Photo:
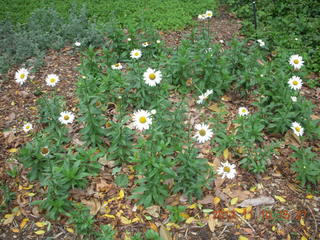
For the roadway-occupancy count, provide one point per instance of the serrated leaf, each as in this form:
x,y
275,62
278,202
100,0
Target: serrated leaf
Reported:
x,y
216,200
23,223
190,220
239,210
309,196
121,194
184,215
242,238
41,224
207,210
70,230
13,150
234,201
125,220
193,206
226,154
40,232
109,216
280,199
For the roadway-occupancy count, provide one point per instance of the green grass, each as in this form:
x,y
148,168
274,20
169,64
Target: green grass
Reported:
x,y
162,14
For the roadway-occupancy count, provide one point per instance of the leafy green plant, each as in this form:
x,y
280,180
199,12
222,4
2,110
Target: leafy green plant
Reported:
x,y
307,166
175,213
106,233
84,222
6,196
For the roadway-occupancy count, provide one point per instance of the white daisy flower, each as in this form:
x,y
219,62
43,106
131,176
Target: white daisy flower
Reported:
x,y
153,111
145,44
129,39
203,133
261,43
296,61
221,41
158,41
209,14
117,66
296,39
52,80
297,129
142,119
44,151
202,16
295,83
227,170
66,117
77,44
27,127
135,53
294,99
243,111
21,75
204,96
152,77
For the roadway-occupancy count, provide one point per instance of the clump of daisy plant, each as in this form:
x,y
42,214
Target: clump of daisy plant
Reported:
x,y
27,127
227,170
243,111
66,117
297,129
21,75
52,80
204,96
135,54
203,133
152,77
117,66
296,61
142,119
295,83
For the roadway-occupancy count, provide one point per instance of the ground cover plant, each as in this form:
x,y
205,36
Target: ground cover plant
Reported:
x,y
158,141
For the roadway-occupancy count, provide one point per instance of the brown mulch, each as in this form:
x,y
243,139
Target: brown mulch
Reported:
x,y
17,105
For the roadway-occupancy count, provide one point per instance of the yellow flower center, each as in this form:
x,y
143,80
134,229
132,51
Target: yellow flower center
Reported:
x,y
66,117
202,132
244,110
22,75
226,169
296,61
44,150
28,126
152,76
142,119
297,129
295,82
136,54
117,64
52,80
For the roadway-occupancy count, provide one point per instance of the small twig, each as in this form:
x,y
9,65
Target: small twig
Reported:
x,y
241,218
223,230
315,221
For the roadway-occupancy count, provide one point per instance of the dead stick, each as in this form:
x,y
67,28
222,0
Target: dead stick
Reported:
x,y
315,221
241,218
